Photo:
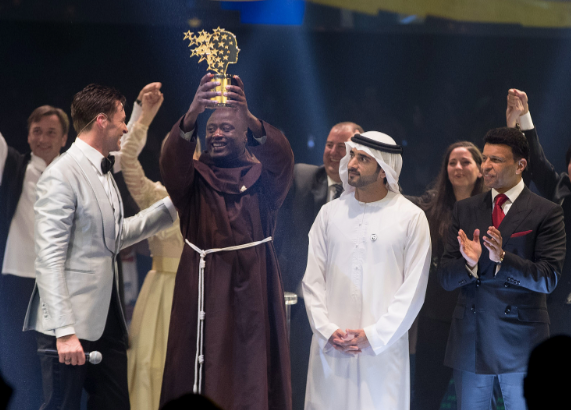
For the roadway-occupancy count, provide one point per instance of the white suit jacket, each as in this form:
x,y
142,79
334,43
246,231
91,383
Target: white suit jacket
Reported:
x,y
76,246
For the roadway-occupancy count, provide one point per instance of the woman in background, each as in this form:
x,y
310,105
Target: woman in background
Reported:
x,y
149,329
459,178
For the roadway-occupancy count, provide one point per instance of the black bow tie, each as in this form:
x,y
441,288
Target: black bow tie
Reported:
x,y
107,164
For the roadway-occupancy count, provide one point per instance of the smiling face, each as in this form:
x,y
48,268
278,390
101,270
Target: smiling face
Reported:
x,y
115,128
500,170
463,171
46,137
225,135
363,170
335,150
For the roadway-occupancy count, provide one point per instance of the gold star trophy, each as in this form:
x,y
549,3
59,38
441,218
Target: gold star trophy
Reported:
x,y
218,49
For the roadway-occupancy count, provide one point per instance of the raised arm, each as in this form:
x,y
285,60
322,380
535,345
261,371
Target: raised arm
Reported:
x,y
269,145
543,173
138,105
142,189
177,167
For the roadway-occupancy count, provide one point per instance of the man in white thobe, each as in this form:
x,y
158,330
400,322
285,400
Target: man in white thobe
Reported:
x,y
367,269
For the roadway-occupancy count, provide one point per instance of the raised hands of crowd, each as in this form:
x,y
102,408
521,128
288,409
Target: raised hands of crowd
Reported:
x,y
151,99
202,100
516,107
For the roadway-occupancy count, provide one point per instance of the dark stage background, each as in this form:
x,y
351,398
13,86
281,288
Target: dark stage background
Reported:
x,y
426,85
426,89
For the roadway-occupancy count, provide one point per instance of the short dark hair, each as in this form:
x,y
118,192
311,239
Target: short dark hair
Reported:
x,y
91,101
46,111
513,138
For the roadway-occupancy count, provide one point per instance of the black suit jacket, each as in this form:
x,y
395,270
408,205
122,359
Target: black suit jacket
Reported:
x,y
552,185
557,188
10,192
500,318
307,194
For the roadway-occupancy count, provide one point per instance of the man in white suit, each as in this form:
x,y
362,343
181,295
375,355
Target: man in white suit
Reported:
x,y
79,230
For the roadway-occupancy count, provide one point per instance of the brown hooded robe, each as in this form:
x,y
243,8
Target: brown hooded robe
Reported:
x,y
246,349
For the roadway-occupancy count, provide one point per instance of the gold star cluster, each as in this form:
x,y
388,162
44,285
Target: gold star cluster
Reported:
x,y
218,49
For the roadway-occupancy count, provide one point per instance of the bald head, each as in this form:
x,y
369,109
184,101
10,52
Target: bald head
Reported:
x,y
226,134
335,147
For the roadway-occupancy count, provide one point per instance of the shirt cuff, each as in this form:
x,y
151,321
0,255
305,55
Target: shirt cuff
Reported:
x,y
65,331
186,135
170,206
373,338
261,140
473,272
135,114
525,122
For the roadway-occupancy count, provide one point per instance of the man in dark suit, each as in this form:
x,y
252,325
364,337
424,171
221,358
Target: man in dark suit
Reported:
x,y
554,186
312,187
501,312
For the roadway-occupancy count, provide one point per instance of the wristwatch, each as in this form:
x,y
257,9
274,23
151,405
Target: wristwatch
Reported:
x,y
502,257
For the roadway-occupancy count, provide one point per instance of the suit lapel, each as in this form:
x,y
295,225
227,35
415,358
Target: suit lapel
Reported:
x,y
319,190
517,213
108,219
484,219
118,246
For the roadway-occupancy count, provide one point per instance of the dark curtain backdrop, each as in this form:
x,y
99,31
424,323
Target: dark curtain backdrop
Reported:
x,y
425,90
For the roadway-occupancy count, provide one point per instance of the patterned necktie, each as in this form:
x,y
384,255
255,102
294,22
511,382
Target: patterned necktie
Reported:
x,y
498,213
338,188
107,164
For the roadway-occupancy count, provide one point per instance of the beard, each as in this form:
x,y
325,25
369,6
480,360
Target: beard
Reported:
x,y
361,181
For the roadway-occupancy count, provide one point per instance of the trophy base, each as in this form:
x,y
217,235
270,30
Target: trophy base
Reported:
x,y
221,100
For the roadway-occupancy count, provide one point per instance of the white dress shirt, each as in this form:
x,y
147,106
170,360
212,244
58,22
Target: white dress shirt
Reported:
x,y
95,158
20,255
512,195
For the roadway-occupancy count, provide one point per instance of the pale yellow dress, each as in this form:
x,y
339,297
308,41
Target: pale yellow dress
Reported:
x,y
149,329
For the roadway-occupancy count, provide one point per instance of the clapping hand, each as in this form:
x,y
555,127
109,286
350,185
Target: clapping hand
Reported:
x,y
493,243
471,250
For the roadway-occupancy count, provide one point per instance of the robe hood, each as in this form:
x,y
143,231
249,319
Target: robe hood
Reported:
x,y
234,176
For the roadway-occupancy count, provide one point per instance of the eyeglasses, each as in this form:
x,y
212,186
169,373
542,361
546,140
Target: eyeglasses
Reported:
x,y
94,118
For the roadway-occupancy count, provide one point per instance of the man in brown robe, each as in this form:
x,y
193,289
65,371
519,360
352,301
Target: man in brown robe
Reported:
x,y
229,197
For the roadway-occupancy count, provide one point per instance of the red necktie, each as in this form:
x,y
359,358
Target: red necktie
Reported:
x,y
498,212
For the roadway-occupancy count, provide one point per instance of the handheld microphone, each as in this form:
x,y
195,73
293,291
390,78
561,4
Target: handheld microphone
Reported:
x,y
94,357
